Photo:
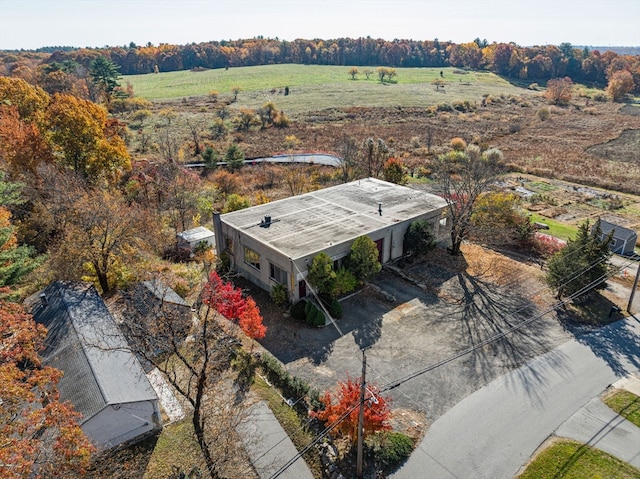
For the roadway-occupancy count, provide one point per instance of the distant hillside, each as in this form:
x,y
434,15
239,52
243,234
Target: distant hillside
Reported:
x,y
618,50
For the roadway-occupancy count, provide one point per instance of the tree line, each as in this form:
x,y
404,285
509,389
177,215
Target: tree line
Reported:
x,y
537,63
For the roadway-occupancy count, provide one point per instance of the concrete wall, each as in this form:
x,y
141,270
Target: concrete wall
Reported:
x,y
120,423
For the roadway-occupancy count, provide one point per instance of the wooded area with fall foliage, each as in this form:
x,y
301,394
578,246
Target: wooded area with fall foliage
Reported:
x,y
537,63
95,186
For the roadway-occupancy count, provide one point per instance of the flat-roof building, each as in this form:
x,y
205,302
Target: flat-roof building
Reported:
x,y
275,242
196,236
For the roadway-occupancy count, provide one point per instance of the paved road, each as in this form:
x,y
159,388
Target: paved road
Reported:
x,y
493,432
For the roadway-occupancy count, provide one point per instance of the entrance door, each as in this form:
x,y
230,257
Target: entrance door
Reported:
x,y
380,246
302,289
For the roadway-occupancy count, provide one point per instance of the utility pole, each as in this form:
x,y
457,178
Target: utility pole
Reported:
x,y
363,388
633,289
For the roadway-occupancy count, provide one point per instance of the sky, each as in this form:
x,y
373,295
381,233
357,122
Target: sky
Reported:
x,y
30,24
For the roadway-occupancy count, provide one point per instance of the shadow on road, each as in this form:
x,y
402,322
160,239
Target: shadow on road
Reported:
x,y
618,344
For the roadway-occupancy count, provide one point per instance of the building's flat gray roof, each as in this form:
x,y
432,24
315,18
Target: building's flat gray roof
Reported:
x,y
196,234
304,224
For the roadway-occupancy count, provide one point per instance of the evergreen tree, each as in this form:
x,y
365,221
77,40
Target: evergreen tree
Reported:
x,y
321,274
581,266
363,258
419,238
234,157
104,75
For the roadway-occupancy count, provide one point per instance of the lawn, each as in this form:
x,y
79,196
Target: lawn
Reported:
x,y
177,447
566,459
314,87
557,229
626,404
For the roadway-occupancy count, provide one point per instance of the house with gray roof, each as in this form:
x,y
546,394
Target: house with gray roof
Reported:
x,y
623,240
151,315
275,242
101,378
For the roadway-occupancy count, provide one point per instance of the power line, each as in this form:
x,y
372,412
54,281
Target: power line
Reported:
x,y
494,338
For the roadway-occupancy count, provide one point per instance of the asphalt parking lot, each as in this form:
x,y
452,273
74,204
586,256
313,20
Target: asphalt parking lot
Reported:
x,y
418,331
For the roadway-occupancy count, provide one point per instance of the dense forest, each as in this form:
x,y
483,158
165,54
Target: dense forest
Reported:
x,y
530,64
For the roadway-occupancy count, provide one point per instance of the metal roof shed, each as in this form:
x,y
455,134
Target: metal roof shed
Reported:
x,y
102,379
195,236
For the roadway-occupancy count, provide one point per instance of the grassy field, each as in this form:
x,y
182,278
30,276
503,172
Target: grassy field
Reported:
x,y
626,404
314,87
556,228
571,460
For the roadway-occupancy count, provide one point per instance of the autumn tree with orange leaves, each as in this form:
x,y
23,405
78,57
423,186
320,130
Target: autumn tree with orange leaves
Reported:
x,y
76,133
39,435
85,139
343,406
559,91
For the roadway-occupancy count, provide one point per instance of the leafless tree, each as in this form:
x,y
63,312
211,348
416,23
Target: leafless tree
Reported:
x,y
348,151
376,153
461,177
195,356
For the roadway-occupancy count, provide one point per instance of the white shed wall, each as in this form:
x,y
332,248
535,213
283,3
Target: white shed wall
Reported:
x,y
120,423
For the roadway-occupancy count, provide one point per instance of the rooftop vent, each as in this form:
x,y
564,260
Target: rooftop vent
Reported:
x,y
266,222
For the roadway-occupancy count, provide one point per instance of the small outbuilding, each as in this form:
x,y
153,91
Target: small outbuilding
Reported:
x,y
196,237
274,243
624,239
146,312
101,378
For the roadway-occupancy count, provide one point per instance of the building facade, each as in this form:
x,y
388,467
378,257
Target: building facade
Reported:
x,y
275,242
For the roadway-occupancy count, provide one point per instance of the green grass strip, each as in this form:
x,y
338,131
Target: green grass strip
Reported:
x,y
626,404
571,460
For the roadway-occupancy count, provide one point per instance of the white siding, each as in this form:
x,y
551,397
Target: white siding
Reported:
x,y
120,423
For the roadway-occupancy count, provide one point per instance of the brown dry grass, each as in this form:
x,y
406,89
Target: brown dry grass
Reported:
x,y
560,147
496,268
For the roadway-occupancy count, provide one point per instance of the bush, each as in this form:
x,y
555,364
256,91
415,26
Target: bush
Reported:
x,y
281,120
279,294
345,282
544,113
290,386
463,106
391,448
333,306
419,238
458,144
218,129
298,310
316,317
601,97
313,316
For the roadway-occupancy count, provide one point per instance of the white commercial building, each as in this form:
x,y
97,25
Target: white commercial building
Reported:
x,y
275,242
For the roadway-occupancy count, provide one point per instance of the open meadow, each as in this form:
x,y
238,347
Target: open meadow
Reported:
x,y
589,142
